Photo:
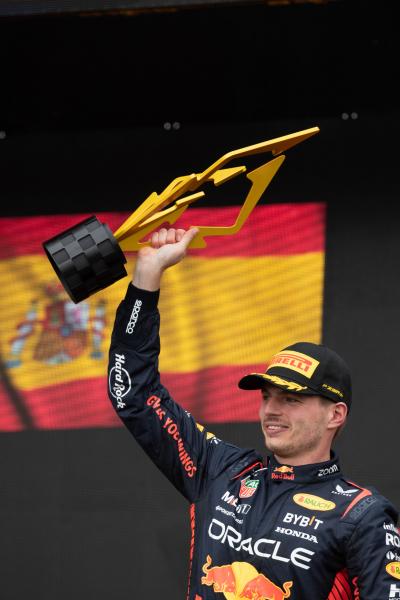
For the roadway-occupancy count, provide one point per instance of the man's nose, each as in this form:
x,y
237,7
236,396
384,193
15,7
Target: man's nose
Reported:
x,y
272,405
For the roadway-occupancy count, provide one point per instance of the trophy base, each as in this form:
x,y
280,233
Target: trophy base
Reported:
x,y
86,258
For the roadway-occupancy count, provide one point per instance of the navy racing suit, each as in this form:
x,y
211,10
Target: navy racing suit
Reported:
x,y
260,530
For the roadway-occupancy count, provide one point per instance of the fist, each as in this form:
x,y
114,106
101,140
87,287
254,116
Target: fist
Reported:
x,y
166,236
167,247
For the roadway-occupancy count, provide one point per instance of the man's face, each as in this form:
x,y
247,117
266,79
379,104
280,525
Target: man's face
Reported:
x,y
293,425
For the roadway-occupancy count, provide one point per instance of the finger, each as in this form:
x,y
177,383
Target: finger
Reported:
x,y
154,240
162,237
179,234
171,233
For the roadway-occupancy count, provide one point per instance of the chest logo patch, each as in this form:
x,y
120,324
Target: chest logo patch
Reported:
x,y
248,487
393,569
313,502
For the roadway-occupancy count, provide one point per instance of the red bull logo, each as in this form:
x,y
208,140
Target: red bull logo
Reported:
x,y
244,581
262,588
284,469
221,578
283,472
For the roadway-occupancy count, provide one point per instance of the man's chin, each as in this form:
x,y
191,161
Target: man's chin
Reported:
x,y
277,446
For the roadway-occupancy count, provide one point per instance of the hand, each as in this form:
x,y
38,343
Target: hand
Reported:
x,y
168,247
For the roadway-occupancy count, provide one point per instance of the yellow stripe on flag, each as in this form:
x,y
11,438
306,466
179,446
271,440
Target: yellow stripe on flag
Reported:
x,y
215,311
238,311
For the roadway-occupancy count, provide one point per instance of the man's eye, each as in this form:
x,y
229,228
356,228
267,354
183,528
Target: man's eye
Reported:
x,y
292,399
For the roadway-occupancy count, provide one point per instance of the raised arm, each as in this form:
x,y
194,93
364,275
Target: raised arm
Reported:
x,y
187,454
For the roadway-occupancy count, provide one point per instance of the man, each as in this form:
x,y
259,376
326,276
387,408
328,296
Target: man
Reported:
x,y
293,527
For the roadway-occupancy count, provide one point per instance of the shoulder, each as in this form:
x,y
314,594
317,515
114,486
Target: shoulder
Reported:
x,y
365,504
225,457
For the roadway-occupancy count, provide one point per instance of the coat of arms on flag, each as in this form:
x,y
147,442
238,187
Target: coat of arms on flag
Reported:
x,y
61,330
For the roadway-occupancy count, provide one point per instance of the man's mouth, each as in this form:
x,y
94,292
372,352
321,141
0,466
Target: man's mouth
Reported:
x,y
274,428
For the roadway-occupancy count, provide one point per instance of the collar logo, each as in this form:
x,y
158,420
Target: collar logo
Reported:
x,y
283,472
296,361
248,487
313,502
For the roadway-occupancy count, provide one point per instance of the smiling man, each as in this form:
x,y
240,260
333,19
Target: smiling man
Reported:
x,y
290,527
306,394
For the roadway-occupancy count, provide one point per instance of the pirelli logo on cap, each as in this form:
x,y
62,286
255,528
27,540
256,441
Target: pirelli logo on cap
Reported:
x,y
296,361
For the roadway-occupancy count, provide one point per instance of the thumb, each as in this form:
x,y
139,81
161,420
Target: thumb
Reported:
x,y
188,236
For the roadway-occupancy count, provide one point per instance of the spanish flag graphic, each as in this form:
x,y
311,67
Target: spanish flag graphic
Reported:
x,y
225,310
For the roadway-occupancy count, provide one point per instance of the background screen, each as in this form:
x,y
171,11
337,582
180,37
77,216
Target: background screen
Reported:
x,y
98,112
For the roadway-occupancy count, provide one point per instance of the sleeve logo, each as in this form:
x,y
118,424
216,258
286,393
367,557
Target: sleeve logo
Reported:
x,y
134,316
119,381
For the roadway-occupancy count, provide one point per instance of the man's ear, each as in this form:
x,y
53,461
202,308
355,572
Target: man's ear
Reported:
x,y
338,415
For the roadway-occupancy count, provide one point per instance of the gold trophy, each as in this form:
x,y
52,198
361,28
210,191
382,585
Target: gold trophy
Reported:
x,y
89,257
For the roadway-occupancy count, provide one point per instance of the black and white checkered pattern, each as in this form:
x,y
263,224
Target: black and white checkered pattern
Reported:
x,y
86,258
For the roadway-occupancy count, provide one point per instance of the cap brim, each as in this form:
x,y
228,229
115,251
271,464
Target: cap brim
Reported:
x,y
256,381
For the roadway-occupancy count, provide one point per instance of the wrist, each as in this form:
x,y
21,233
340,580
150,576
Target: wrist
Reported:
x,y
147,276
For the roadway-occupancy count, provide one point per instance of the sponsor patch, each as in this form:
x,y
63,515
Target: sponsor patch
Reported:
x,y
208,434
134,316
242,580
394,591
119,381
296,361
332,389
392,540
233,501
290,385
360,508
328,471
300,534
313,502
173,431
263,547
302,520
342,492
391,527
393,569
392,556
283,472
229,513
248,487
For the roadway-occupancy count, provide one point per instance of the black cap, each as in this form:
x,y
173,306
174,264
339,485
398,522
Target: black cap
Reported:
x,y
305,368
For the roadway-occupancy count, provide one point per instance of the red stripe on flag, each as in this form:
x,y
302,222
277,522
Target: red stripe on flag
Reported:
x,y
71,405
275,229
9,419
211,395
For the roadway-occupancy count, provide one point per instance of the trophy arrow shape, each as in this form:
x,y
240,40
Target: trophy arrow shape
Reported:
x,y
88,257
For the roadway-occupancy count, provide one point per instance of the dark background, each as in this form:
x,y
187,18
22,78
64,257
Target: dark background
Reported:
x,y
83,104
